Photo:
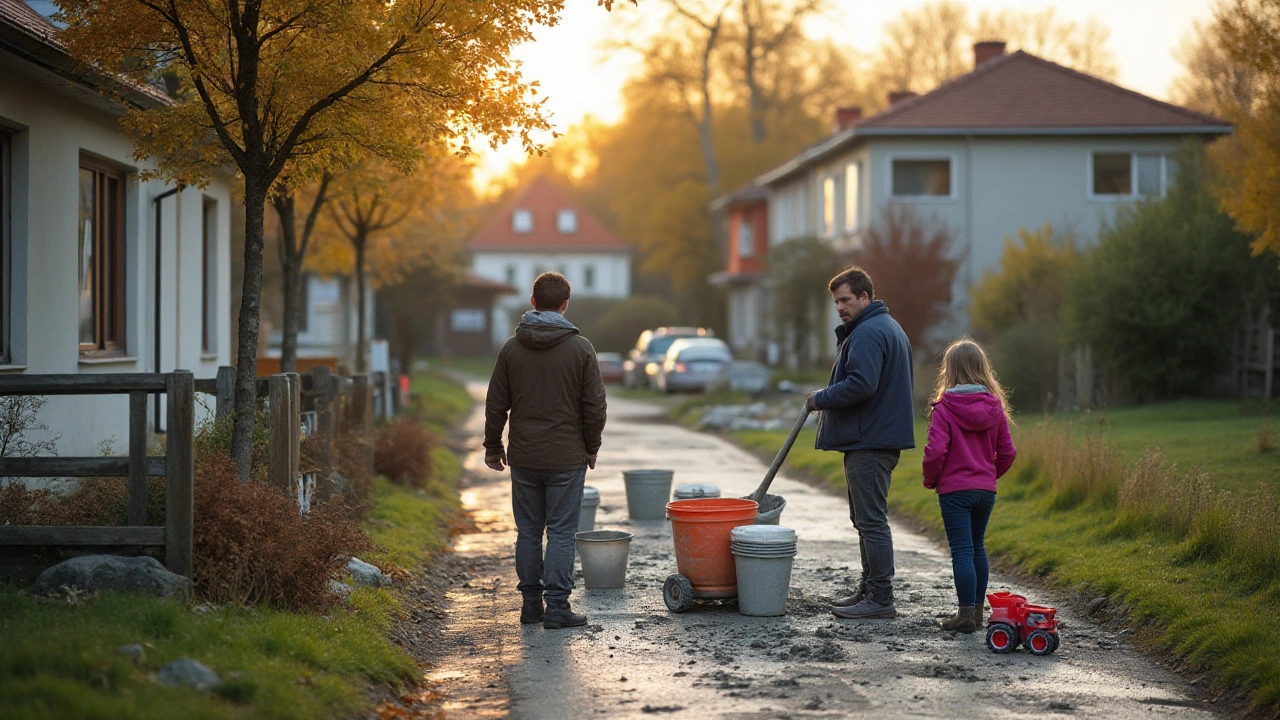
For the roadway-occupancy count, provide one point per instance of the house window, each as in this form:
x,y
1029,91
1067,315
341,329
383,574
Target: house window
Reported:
x,y
589,277
467,320
746,238
4,248
522,221
922,178
511,275
828,207
209,276
1128,174
567,221
852,187
101,251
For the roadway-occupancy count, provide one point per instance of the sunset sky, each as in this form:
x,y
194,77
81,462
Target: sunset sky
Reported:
x,y
580,79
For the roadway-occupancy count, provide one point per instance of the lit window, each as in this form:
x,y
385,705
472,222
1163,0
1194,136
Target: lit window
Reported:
x,y
567,221
522,221
101,279
746,238
828,207
852,184
921,178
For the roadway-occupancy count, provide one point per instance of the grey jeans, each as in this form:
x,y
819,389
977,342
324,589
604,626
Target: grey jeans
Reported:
x,y
547,500
867,474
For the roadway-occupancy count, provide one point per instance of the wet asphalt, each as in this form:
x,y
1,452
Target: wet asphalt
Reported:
x,y
637,659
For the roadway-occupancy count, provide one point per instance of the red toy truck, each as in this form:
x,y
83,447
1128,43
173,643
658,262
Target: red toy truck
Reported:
x,y
1015,622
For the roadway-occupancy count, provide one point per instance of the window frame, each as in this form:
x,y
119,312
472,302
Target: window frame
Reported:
x,y
102,346
516,226
6,203
573,221
1133,193
589,276
949,158
746,241
208,276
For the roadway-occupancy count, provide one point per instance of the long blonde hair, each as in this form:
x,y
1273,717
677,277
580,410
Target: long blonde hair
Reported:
x,y
965,363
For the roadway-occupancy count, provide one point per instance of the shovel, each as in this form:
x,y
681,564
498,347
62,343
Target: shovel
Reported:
x,y
760,492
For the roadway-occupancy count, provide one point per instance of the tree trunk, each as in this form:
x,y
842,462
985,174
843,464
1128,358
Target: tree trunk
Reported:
x,y
255,200
361,342
756,95
291,268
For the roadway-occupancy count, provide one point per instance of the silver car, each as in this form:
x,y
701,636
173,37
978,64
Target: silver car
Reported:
x,y
692,364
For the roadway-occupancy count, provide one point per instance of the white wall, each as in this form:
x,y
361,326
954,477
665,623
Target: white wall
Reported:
x,y
612,279
49,133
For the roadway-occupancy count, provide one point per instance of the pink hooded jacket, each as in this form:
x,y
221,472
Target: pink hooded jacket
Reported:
x,y
969,444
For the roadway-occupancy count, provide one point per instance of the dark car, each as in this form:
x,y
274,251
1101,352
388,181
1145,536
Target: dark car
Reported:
x,y
642,363
693,364
610,366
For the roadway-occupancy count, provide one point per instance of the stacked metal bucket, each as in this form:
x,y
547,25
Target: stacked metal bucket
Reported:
x,y
763,555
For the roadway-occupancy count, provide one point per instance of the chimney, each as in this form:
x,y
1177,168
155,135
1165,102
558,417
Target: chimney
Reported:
x,y
898,96
987,50
847,117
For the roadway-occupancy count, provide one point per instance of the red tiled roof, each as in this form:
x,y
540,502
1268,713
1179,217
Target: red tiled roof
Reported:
x,y
544,199
20,15
1023,91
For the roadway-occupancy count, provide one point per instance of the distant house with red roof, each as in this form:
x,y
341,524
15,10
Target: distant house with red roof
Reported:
x,y
1017,142
541,229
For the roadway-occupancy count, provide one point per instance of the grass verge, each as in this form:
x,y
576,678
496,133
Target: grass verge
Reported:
x,y
1091,507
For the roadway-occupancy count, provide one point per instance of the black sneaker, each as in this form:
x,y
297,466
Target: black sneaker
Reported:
x,y
868,609
532,611
561,616
851,600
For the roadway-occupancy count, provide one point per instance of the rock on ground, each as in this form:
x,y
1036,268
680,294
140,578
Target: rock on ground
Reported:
x,y
188,672
100,573
365,574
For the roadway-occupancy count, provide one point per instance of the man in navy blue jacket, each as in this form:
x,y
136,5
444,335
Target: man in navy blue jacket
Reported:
x,y
866,414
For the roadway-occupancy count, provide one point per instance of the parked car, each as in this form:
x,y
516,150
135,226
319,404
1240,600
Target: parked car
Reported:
x,y
610,366
693,364
641,365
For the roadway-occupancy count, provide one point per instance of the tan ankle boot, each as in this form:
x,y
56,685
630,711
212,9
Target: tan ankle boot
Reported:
x,y
964,621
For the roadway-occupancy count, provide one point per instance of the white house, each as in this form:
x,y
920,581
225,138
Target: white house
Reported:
x,y
100,271
539,230
1017,142
328,322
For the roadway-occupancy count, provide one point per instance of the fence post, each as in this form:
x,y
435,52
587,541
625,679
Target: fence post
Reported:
x,y
226,392
180,472
295,427
137,458
280,396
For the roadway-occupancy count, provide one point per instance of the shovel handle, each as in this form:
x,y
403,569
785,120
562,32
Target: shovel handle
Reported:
x,y
760,492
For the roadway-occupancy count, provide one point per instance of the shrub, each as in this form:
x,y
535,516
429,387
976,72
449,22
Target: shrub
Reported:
x,y
617,329
402,452
253,547
798,273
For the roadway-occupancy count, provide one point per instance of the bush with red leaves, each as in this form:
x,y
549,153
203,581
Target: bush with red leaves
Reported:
x,y
402,452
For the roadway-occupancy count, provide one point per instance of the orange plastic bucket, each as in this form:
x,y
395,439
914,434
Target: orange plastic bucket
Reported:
x,y
700,528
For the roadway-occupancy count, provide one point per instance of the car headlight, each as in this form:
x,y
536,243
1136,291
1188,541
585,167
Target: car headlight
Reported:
x,y
651,369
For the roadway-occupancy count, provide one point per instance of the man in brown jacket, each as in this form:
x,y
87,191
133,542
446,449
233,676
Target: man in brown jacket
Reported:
x,y
547,379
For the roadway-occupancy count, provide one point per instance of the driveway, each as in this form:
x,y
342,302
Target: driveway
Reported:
x,y
636,659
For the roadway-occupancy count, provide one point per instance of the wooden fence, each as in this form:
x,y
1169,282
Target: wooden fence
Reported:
x,y
177,467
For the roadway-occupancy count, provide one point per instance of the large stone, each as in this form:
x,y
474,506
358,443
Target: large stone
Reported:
x,y
101,573
365,574
188,672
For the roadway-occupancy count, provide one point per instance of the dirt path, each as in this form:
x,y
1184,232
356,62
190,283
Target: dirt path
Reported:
x,y
636,659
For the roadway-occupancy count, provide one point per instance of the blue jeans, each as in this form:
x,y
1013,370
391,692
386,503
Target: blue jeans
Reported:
x,y
550,501
965,515
867,474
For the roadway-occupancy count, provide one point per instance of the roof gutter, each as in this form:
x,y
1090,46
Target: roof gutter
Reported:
x,y
52,58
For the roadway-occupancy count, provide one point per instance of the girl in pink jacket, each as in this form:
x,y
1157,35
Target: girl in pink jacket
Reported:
x,y
969,447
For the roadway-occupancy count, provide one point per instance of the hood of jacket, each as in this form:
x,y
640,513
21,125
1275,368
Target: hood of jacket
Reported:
x,y
974,408
541,329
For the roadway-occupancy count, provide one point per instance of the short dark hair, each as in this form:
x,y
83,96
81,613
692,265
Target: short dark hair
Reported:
x,y
550,291
858,281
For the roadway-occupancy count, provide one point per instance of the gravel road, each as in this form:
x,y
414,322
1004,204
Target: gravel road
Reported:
x,y
636,659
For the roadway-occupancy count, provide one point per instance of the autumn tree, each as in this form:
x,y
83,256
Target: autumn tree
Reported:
x,y
798,273
1249,160
383,224
298,85
292,243
1212,81
913,260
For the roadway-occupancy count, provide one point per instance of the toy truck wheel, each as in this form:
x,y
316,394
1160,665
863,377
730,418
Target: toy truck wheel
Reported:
x,y
677,593
1057,640
1002,637
1039,642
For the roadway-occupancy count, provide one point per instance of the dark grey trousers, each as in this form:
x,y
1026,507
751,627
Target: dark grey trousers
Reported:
x,y
550,501
867,474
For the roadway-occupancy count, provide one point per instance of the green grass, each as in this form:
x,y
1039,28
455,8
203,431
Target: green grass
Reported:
x,y
62,660
1184,596
470,368
437,400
